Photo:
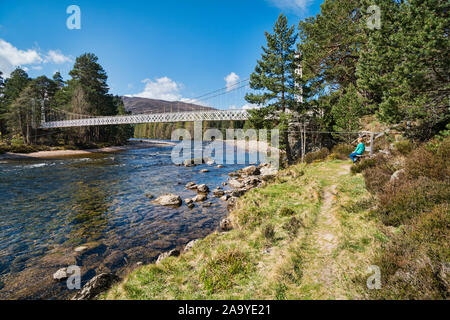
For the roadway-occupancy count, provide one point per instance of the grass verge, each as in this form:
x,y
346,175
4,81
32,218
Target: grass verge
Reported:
x,y
305,235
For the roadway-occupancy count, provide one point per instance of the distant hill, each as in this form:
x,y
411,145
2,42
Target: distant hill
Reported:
x,y
145,105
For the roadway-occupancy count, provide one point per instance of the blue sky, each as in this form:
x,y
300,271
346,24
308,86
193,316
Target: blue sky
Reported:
x,y
172,49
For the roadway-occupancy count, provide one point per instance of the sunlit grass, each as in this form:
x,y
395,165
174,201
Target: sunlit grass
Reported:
x,y
271,252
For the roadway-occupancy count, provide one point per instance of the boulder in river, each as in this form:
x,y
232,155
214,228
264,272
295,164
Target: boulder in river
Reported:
x,y
250,171
234,183
188,201
268,172
61,274
80,249
219,166
191,185
218,193
204,171
200,197
96,285
191,162
225,197
168,200
251,181
203,188
239,192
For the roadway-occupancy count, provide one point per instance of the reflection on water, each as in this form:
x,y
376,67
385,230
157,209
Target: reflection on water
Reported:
x,y
50,207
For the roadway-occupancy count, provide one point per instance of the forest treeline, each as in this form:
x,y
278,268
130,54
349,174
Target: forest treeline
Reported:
x,y
356,69
23,98
164,130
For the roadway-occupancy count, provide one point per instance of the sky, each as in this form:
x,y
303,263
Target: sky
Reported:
x,y
170,50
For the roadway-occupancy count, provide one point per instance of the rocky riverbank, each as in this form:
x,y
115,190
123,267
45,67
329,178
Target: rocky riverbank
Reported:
x,y
238,183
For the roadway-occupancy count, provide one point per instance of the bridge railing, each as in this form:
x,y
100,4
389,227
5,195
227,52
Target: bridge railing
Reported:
x,y
216,115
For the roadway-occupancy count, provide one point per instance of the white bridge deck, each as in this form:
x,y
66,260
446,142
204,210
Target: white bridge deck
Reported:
x,y
216,115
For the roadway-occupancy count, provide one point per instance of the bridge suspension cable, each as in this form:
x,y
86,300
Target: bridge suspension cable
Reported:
x,y
221,104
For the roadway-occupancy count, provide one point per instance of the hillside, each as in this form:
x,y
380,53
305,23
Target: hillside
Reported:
x,y
137,105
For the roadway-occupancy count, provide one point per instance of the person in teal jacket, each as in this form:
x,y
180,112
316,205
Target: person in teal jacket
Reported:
x,y
358,151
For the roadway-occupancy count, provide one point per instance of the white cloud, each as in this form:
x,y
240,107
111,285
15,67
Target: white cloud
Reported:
x,y
246,106
162,88
249,106
11,57
57,57
231,80
297,6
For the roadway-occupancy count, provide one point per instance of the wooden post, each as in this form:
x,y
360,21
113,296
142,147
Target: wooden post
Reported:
x,y
371,143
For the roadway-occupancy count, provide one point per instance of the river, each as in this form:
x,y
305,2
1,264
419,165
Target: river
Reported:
x,y
50,207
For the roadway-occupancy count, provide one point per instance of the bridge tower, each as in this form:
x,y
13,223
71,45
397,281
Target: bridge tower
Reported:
x,y
297,126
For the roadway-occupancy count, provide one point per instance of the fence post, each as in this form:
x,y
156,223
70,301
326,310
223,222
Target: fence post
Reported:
x,y
371,143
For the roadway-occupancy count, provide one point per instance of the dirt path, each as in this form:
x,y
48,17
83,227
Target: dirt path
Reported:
x,y
320,268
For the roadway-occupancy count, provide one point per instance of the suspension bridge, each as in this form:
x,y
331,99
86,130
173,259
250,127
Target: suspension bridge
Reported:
x,y
220,105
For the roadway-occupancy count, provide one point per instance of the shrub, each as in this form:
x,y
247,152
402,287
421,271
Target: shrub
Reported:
x,y
222,270
285,211
433,164
414,264
382,143
23,148
377,177
363,165
322,154
269,232
343,150
333,156
292,227
404,147
400,203
366,163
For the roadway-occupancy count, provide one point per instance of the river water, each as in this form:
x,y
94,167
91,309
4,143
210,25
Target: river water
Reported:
x,y
50,207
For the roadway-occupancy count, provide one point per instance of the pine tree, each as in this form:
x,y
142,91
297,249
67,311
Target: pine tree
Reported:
x,y
13,86
275,78
87,94
404,68
58,80
17,81
330,44
347,113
